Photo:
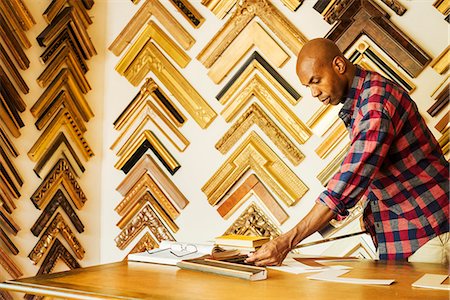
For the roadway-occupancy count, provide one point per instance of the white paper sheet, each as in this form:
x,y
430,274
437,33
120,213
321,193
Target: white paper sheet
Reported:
x,y
432,281
333,276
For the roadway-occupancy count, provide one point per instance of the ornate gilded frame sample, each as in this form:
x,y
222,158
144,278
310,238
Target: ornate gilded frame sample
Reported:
x,y
441,63
333,167
257,62
337,133
253,221
57,225
9,265
62,118
149,8
147,199
151,59
252,186
259,89
253,35
189,12
243,14
221,7
66,80
15,74
147,165
57,251
255,115
62,173
369,58
254,154
13,44
56,6
365,17
153,32
145,218
331,8
58,200
146,140
146,243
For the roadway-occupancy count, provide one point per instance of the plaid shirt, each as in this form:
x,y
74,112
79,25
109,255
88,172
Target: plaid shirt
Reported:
x,y
396,162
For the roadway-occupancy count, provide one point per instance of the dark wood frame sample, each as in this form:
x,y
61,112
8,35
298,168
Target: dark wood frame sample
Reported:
x,y
365,17
442,100
56,252
9,265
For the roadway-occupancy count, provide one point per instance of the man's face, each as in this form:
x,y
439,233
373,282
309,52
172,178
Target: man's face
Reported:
x,y
324,81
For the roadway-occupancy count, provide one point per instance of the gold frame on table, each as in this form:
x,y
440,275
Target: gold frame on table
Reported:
x,y
150,59
8,264
153,32
252,186
442,62
253,221
255,115
149,8
244,13
57,225
57,251
61,174
259,89
253,35
147,165
146,243
333,167
145,218
256,155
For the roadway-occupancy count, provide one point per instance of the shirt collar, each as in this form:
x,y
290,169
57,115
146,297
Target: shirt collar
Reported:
x,y
347,109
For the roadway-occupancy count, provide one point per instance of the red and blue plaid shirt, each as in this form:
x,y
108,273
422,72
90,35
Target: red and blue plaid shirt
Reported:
x,y
396,162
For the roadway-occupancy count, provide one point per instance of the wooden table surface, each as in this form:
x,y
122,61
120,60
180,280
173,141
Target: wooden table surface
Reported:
x,y
134,280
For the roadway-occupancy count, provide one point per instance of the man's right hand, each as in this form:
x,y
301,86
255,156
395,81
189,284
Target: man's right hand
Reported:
x,y
271,253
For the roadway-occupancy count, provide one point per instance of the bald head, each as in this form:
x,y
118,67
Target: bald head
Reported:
x,y
322,67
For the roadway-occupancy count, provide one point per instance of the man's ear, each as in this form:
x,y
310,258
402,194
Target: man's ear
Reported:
x,y
339,64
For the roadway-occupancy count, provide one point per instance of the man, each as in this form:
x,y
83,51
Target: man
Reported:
x,y
394,160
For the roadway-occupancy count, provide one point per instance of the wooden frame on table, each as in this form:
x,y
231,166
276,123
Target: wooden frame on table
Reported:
x,y
256,87
147,165
56,226
145,218
253,35
256,155
58,200
252,186
61,174
146,243
255,115
149,8
150,59
366,17
244,13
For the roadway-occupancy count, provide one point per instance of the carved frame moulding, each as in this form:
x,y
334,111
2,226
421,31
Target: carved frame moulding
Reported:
x,y
365,55
58,200
254,115
13,45
253,35
147,165
441,63
257,62
148,199
65,79
153,32
63,118
189,12
254,222
15,74
57,225
14,23
366,17
443,6
151,59
67,18
144,185
56,6
151,113
57,251
9,265
442,100
62,173
333,167
252,186
6,143
145,218
259,89
149,8
150,88
24,16
146,243
243,14
4,237
65,39
337,134
256,155
146,140
65,57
